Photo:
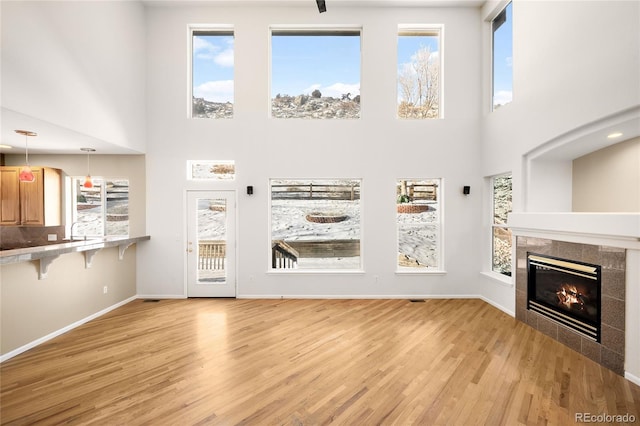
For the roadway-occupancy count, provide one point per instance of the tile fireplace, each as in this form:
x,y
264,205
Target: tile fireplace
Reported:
x,y
575,293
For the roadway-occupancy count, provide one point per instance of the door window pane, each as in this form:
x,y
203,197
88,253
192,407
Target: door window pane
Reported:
x,y
212,237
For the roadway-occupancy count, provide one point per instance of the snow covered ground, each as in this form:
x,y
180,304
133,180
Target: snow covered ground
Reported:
x,y
418,232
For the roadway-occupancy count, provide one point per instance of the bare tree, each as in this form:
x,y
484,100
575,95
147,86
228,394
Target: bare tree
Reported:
x,y
419,85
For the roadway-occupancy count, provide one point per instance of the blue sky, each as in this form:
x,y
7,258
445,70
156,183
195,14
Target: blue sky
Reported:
x,y
331,64
409,45
301,64
213,67
502,61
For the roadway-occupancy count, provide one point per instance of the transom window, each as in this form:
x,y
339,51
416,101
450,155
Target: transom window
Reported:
x,y
315,73
212,57
211,170
419,72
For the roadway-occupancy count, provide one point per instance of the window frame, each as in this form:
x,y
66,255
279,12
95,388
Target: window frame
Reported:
x,y
440,268
321,30
425,30
209,29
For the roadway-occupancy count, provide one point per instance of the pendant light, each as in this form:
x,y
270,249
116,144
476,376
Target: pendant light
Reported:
x,y
87,180
26,175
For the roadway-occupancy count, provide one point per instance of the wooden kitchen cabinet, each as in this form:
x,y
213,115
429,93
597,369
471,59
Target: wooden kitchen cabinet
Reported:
x,y
35,203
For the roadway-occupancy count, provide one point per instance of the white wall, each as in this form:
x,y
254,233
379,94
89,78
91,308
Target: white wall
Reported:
x,y
76,65
608,180
377,148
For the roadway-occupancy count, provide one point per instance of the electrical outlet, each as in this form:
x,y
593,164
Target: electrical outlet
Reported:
x,y
105,289
52,237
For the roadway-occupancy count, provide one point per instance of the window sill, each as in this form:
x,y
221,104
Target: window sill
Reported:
x,y
427,272
315,271
499,278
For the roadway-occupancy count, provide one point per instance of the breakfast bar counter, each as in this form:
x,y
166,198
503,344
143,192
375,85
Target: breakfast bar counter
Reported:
x,y
48,253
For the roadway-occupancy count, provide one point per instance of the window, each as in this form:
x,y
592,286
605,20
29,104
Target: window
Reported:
x,y
315,73
419,220
501,27
212,73
99,211
500,234
419,73
211,170
315,224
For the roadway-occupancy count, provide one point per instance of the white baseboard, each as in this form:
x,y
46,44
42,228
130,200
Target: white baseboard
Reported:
x,y
495,305
161,296
358,296
632,378
63,330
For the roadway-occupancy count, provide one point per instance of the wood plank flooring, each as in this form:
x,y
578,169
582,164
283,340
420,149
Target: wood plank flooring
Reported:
x,y
307,362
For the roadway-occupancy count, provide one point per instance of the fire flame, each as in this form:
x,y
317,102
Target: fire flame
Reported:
x,y
569,296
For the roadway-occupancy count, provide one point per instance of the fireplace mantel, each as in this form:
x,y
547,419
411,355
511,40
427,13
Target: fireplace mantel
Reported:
x,y
613,229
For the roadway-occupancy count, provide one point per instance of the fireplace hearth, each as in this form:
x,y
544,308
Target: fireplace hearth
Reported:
x,y
566,292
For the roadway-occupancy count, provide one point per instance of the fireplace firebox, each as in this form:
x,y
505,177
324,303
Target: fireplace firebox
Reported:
x,y
565,291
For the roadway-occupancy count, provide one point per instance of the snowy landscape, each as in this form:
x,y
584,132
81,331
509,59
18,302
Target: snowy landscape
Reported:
x,y
418,232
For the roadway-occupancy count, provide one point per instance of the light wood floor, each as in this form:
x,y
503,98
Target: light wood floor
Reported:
x,y
308,362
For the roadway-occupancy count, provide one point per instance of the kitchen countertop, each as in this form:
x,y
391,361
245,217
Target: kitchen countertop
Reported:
x,y
55,250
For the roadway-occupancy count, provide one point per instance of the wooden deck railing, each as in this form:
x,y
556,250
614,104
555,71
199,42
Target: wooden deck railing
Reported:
x,y
421,191
283,256
211,255
315,191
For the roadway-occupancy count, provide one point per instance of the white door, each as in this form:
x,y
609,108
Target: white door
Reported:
x,y
211,244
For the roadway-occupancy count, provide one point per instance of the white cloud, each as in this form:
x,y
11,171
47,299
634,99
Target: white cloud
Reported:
x,y
502,97
311,88
335,90
203,49
215,91
224,58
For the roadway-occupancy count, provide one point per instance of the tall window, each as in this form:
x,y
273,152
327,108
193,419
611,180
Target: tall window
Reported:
x,y
419,220
419,73
500,233
315,224
101,210
502,27
315,73
212,73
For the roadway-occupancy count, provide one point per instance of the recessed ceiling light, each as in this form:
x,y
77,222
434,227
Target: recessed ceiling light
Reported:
x,y
5,147
614,135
